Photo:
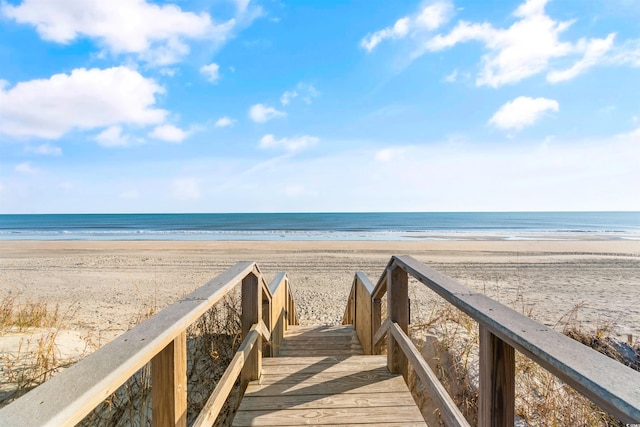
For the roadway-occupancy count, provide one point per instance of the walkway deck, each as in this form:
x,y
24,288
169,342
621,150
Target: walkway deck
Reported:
x,y
337,385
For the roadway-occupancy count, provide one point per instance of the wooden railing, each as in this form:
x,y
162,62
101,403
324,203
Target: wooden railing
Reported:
x,y
606,382
68,397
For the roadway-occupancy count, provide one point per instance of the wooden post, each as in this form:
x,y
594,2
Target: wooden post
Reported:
x,y
398,311
376,322
497,381
169,384
251,313
267,306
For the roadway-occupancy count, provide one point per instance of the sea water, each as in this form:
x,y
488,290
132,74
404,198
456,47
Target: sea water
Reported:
x,y
324,226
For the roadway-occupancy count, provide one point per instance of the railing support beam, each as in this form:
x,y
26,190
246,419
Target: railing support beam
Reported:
x,y
251,313
497,381
169,384
398,311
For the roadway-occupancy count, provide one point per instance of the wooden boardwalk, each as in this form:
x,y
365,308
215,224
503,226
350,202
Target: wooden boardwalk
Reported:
x,y
323,378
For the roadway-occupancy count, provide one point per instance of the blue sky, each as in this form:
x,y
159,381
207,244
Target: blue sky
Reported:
x,y
276,106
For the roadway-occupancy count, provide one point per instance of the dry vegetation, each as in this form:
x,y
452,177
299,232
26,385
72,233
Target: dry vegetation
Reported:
x,y
448,340
36,358
211,343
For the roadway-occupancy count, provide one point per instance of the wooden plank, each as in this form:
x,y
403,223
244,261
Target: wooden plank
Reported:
x,y
313,344
278,289
398,310
609,384
448,409
320,330
251,314
327,339
381,287
318,360
376,374
347,318
497,381
169,384
323,352
327,416
342,385
315,401
320,367
217,399
363,326
97,376
382,331
376,322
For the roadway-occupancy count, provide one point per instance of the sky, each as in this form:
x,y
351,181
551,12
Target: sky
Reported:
x,y
130,106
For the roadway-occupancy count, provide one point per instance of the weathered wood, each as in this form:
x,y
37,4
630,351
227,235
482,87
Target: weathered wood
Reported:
x,y
97,376
337,389
251,314
398,310
363,288
382,331
332,416
169,384
288,352
347,318
497,381
319,331
217,399
449,412
376,322
609,384
318,401
392,384
323,361
326,338
278,289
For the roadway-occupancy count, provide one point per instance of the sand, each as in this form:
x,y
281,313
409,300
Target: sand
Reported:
x,y
105,285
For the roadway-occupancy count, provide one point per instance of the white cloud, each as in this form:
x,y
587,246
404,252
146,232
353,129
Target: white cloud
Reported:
x,y
595,51
288,96
399,30
84,99
185,189
288,144
429,18
211,71
304,91
525,48
169,133
521,112
261,113
45,149
113,137
27,168
224,122
157,33
434,16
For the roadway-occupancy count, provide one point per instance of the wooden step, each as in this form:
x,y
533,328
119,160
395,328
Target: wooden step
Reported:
x,y
322,378
320,341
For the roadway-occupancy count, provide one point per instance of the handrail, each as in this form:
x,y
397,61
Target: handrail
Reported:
x,y
161,338
451,415
214,404
609,384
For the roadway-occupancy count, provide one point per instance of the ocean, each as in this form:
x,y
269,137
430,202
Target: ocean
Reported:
x,y
324,226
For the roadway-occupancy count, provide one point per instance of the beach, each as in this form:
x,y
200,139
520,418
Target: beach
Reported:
x,y
105,285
